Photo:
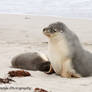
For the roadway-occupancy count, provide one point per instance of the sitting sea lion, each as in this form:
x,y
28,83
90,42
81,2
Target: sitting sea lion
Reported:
x,y
32,61
66,54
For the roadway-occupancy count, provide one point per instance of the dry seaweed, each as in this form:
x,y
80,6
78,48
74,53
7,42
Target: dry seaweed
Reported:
x,y
6,80
40,90
19,73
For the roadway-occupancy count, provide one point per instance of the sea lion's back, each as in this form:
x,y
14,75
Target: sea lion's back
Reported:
x,y
30,61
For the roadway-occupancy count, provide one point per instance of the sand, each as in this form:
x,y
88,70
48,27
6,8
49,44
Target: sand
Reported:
x,y
23,33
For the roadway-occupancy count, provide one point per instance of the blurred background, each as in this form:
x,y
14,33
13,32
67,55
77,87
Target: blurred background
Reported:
x,y
64,8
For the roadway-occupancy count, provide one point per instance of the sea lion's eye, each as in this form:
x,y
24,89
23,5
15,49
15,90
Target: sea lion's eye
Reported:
x,y
53,30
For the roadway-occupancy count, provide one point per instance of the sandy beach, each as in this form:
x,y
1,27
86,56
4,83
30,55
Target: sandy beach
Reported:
x,y
23,33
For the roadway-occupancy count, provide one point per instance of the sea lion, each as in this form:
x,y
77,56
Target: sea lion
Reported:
x,y
32,61
66,54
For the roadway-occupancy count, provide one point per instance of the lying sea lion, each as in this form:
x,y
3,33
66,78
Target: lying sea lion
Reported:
x,y
32,61
66,54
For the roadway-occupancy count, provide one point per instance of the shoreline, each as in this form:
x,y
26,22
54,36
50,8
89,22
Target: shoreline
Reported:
x,y
40,15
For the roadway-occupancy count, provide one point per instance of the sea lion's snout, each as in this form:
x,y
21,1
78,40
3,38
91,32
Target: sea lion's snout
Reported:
x,y
48,31
45,30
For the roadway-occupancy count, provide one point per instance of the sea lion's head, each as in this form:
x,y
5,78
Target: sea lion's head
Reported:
x,y
54,29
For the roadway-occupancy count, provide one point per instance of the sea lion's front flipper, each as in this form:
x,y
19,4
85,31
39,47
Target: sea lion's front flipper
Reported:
x,y
68,71
75,75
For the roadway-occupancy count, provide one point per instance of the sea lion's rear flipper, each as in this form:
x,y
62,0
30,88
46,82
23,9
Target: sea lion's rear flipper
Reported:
x,y
51,70
46,67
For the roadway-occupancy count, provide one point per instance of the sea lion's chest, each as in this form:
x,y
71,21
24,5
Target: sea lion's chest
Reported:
x,y
58,53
